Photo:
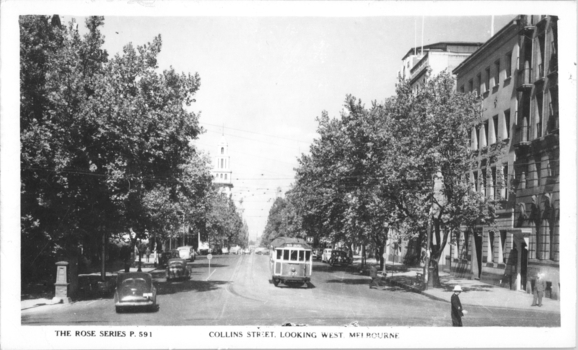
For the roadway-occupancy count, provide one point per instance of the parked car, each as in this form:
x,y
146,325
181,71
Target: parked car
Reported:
x,y
135,290
204,249
326,255
225,250
339,257
177,267
187,253
235,250
317,254
246,251
216,250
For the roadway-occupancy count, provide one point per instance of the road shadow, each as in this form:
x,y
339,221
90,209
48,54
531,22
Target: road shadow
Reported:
x,y
350,281
196,266
449,287
294,285
165,288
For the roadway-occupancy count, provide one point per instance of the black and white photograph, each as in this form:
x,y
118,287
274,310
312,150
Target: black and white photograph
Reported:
x,y
288,174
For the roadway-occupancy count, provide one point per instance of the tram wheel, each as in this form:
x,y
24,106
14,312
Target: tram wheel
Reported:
x,y
275,282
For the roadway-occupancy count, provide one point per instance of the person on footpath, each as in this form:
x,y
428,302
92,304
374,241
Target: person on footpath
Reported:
x,y
457,311
539,288
373,274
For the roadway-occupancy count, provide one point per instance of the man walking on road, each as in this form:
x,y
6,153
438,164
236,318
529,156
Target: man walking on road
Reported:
x,y
539,288
457,311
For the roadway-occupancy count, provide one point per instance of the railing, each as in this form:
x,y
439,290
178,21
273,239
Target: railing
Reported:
x,y
525,76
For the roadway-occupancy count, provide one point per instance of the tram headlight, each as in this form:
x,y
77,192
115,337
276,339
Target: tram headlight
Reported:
x,y
292,269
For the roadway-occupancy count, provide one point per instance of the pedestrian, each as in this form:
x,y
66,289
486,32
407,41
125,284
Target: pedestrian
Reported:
x,y
457,311
373,274
148,253
539,288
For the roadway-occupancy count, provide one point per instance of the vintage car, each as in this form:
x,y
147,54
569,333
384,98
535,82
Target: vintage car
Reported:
x,y
177,267
339,257
326,255
316,254
187,253
225,250
135,290
246,251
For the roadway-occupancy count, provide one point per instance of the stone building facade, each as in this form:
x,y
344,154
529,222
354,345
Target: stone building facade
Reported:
x,y
514,156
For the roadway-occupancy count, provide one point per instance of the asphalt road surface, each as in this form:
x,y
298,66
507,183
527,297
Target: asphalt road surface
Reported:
x,y
238,291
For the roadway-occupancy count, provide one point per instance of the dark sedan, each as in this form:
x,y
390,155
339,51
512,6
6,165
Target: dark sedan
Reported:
x,y
177,267
135,290
339,257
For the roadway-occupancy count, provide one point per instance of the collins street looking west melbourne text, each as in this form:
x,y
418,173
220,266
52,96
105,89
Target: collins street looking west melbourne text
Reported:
x,y
270,171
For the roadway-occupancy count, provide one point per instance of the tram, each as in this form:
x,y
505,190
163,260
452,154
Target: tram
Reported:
x,y
291,261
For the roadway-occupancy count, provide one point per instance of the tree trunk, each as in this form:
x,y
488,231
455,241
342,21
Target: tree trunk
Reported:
x,y
103,259
435,277
363,256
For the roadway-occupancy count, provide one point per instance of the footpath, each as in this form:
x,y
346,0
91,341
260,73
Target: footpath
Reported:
x,y
90,279
474,292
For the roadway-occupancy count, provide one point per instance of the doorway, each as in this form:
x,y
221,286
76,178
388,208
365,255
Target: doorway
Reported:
x,y
523,265
478,245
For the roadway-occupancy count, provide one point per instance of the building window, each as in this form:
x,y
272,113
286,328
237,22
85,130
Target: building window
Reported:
x,y
222,163
494,188
462,90
539,118
505,181
471,85
225,176
508,65
222,150
491,246
483,183
538,174
503,236
497,76
506,132
487,82
495,129
486,129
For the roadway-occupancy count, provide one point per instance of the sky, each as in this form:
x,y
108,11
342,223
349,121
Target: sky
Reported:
x,y
264,80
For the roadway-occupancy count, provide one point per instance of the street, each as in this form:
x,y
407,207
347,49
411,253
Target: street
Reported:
x,y
238,291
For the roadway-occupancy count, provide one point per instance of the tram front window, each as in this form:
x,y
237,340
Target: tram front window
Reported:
x,y
301,255
307,255
294,255
285,255
279,254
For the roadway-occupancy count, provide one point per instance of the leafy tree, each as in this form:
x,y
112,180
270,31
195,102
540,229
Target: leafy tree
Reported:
x,y
105,144
428,158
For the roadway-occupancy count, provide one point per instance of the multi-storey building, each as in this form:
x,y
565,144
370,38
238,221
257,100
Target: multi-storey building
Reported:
x,y
514,156
433,59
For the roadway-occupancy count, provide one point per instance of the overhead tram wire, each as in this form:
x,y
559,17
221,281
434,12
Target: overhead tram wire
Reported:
x,y
247,138
257,133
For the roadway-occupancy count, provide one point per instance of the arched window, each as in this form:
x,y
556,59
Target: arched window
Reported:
x,y
222,150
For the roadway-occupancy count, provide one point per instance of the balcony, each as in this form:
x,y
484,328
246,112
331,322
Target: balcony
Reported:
x,y
524,82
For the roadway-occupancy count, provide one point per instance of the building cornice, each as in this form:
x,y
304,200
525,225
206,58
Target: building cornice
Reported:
x,y
510,28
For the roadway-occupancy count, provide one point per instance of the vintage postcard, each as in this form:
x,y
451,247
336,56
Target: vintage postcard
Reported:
x,y
287,174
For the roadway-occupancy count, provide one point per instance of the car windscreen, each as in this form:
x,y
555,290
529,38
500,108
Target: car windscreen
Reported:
x,y
139,283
